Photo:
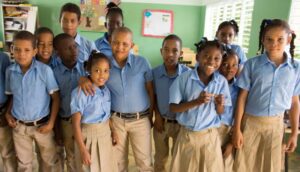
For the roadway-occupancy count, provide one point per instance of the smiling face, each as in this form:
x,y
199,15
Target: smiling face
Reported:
x,y
45,47
23,52
121,45
100,72
69,23
171,51
226,35
229,66
275,40
209,60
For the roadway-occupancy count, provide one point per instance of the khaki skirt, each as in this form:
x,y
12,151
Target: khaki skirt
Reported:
x,y
97,139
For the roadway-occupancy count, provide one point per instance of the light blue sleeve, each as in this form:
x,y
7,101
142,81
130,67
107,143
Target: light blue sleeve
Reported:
x,y
244,79
78,101
148,73
7,82
297,86
242,56
176,92
51,83
5,62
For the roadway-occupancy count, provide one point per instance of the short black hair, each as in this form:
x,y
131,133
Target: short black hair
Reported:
x,y
70,7
42,30
58,38
231,23
25,35
172,37
204,43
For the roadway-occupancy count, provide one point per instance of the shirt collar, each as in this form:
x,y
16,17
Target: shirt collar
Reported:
x,y
164,71
78,39
129,60
33,65
64,68
265,59
215,77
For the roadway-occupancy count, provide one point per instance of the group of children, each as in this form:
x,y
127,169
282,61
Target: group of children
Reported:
x,y
65,97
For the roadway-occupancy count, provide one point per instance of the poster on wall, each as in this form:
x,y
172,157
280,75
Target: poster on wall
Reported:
x,y
157,23
93,14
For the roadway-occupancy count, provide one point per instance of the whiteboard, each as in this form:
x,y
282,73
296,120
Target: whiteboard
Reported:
x,y
157,23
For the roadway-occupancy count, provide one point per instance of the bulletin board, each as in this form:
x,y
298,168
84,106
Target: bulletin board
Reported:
x,y
157,23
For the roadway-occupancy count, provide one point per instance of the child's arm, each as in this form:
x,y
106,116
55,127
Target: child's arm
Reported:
x,y
85,156
10,119
204,97
149,87
86,85
158,123
294,119
55,101
114,135
219,102
239,112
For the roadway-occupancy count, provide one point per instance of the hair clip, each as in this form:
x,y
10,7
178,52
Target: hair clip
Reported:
x,y
202,41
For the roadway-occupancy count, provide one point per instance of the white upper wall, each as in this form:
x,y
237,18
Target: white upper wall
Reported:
x,y
177,2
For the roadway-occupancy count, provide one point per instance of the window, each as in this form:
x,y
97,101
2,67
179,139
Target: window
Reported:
x,y
239,10
294,21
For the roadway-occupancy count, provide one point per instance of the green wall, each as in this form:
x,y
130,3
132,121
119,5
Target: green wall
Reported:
x,y
266,9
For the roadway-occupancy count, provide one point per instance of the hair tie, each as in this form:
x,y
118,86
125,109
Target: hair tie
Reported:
x,y
268,22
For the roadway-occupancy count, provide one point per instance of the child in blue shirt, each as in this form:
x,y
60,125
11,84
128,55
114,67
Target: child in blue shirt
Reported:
x,y
69,20
44,38
165,124
7,150
228,68
199,97
90,119
67,74
269,85
114,19
32,86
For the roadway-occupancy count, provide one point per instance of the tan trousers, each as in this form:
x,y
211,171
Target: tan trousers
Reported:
x,y
23,137
68,140
161,141
7,150
223,131
98,142
197,151
261,151
138,132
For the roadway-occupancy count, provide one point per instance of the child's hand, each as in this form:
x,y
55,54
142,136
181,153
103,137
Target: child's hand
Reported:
x,y
238,139
204,97
87,86
291,144
220,100
45,128
86,157
227,150
159,124
114,138
10,120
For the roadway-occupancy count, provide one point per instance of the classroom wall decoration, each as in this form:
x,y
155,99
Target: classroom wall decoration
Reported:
x,y
92,15
157,23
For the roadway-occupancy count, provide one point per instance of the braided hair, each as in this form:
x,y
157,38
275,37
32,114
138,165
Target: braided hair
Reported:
x,y
204,43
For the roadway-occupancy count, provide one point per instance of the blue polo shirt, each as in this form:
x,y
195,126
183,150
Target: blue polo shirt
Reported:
x,y
4,63
187,87
103,45
128,85
93,109
162,82
85,47
270,88
31,91
239,51
67,80
228,115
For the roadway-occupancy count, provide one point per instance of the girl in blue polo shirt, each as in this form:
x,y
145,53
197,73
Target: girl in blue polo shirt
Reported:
x,y
199,96
90,120
269,85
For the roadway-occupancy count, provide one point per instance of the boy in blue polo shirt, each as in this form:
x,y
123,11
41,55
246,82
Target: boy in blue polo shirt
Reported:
x,y
69,19
32,86
67,74
165,124
7,150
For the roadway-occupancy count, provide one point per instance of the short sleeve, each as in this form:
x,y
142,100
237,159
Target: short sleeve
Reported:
x,y
175,91
7,82
297,85
77,101
5,62
51,83
241,54
148,71
244,79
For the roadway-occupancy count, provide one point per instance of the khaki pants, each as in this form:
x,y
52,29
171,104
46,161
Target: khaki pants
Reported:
x,y
161,141
68,140
138,132
261,151
7,150
23,137
98,142
223,131
197,151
